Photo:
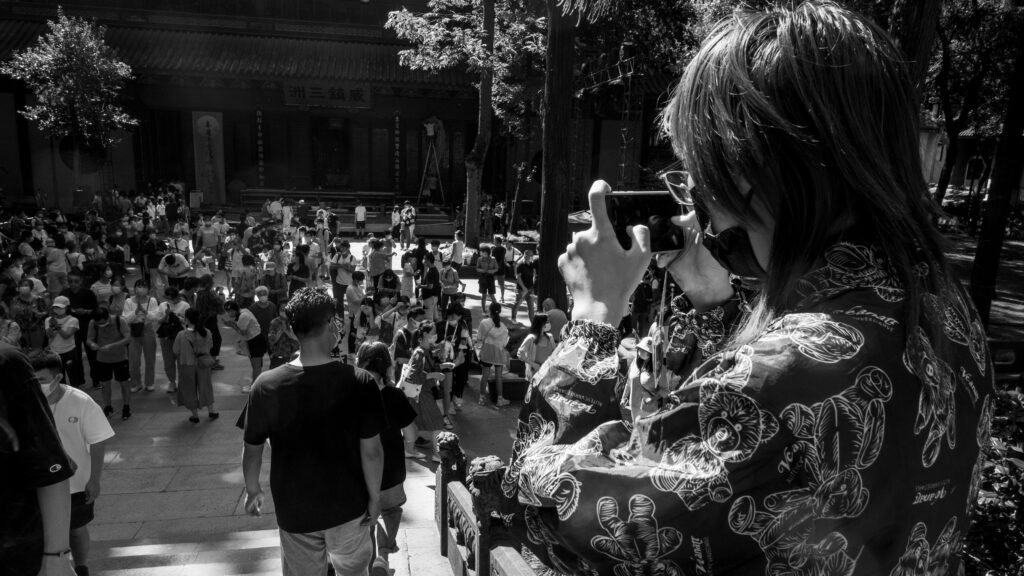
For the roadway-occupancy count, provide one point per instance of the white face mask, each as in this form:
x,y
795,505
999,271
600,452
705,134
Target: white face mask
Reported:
x,y
49,387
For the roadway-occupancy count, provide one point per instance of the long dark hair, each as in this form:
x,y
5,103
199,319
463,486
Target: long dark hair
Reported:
x,y
814,106
537,324
196,320
494,312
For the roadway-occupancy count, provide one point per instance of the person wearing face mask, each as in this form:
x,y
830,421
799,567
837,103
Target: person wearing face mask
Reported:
x,y
803,414
142,312
118,296
642,396
10,332
454,346
83,432
29,311
61,327
172,321
102,286
420,380
108,337
376,360
537,346
281,341
191,353
82,302
323,420
253,342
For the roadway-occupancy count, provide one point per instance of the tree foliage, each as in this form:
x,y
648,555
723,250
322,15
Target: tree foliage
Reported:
x,y
450,35
995,544
76,79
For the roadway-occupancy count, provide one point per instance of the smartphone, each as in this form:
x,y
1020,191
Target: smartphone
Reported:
x,y
654,209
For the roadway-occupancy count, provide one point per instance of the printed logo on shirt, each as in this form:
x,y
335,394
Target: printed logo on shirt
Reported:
x,y
55,468
932,493
73,419
702,556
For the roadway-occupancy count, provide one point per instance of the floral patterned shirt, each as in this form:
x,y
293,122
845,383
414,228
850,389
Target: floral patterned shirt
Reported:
x,y
838,442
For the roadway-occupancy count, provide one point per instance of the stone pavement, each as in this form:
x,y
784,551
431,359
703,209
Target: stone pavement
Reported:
x,y
172,491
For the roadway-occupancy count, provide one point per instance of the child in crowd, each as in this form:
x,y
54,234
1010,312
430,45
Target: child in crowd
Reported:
x,y
419,381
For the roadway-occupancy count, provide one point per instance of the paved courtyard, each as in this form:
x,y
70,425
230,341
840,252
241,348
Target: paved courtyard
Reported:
x,y
172,491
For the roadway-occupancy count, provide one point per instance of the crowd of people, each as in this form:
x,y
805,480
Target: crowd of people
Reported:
x,y
91,298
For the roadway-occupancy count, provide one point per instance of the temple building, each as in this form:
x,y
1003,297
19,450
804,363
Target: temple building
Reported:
x,y
237,94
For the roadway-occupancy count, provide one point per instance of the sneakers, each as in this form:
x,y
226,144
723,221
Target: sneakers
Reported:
x,y
172,388
108,411
451,409
136,389
448,424
457,401
502,402
481,401
126,412
150,388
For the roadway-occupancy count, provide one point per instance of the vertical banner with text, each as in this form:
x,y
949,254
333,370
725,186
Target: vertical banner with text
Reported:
x,y
208,138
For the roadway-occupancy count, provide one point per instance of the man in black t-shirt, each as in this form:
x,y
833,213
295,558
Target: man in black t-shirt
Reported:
x,y
323,420
35,501
526,276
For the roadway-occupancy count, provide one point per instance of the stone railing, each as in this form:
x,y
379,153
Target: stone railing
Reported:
x,y
467,508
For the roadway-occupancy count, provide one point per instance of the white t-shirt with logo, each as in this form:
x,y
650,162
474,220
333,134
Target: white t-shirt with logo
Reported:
x,y
58,343
80,423
360,213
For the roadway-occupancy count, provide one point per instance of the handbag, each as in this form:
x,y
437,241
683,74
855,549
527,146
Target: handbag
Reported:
x,y
171,325
137,329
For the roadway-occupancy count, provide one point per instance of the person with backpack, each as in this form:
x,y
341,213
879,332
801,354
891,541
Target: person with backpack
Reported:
x,y
108,337
171,314
450,283
191,351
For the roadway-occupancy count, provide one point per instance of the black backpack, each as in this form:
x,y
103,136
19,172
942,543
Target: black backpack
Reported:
x,y
171,325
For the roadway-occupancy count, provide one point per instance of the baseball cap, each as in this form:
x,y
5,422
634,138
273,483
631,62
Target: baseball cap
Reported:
x,y
262,290
61,302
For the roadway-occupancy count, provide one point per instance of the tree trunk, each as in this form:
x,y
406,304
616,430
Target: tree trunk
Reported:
x,y
1006,174
914,24
947,168
558,94
478,155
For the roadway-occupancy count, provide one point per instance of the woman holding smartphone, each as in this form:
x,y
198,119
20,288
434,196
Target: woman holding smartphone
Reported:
x,y
808,417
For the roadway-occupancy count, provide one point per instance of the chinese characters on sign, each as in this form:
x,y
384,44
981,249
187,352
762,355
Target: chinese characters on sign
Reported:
x,y
315,95
396,184
260,172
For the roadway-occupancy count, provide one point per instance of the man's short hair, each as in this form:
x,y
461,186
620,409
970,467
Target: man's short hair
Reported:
x,y
47,361
415,312
309,311
169,259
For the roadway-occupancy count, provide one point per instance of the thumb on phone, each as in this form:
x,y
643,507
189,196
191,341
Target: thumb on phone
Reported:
x,y
641,239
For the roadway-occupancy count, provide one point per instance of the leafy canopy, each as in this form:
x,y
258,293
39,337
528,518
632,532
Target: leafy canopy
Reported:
x,y
450,34
76,79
